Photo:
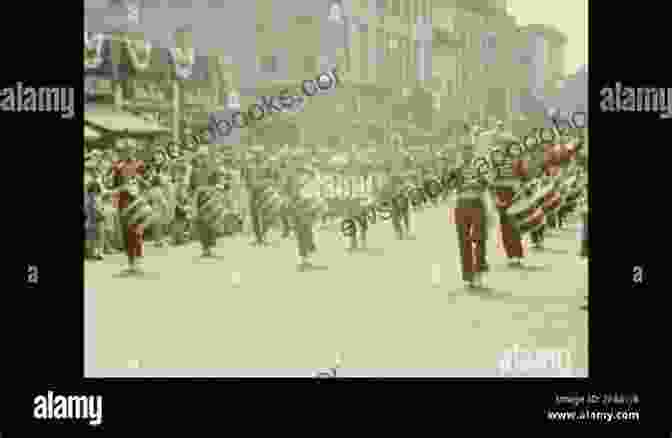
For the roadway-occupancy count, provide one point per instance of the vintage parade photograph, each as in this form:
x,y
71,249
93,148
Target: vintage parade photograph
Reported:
x,y
336,188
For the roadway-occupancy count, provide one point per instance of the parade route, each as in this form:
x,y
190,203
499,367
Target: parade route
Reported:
x,y
399,305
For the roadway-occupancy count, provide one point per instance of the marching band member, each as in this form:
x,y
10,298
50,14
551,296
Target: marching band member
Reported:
x,y
229,178
283,180
536,236
305,205
183,213
472,180
552,171
202,184
509,171
156,195
585,212
392,193
126,173
95,224
257,179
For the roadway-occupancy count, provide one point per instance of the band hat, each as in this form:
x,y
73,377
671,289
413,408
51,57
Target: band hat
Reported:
x,y
174,154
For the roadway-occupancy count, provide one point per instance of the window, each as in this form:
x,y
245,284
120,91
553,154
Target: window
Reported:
x,y
268,64
436,101
395,8
449,87
364,52
133,9
233,100
335,11
310,65
491,42
380,7
435,83
356,103
307,19
403,57
380,47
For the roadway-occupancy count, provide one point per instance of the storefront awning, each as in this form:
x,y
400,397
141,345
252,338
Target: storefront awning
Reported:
x,y
108,118
90,134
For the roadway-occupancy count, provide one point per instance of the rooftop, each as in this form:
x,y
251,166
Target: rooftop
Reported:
x,y
550,32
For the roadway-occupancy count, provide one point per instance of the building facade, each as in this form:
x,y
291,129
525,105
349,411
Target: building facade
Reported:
x,y
540,54
474,70
543,48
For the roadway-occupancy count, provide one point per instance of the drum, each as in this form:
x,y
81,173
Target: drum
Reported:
x,y
566,185
271,202
526,215
535,190
571,200
140,212
551,203
211,206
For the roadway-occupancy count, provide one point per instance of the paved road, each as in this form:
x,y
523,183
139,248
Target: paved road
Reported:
x,y
386,308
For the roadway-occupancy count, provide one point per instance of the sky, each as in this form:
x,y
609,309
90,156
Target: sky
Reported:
x,y
569,16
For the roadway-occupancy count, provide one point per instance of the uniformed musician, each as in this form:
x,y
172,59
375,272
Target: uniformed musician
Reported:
x,y
257,180
127,182
509,171
472,180
394,196
305,205
202,184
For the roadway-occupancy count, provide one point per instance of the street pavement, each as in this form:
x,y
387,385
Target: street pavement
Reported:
x,y
399,305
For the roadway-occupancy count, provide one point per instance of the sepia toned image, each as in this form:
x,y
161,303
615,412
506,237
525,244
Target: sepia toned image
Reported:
x,y
336,188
